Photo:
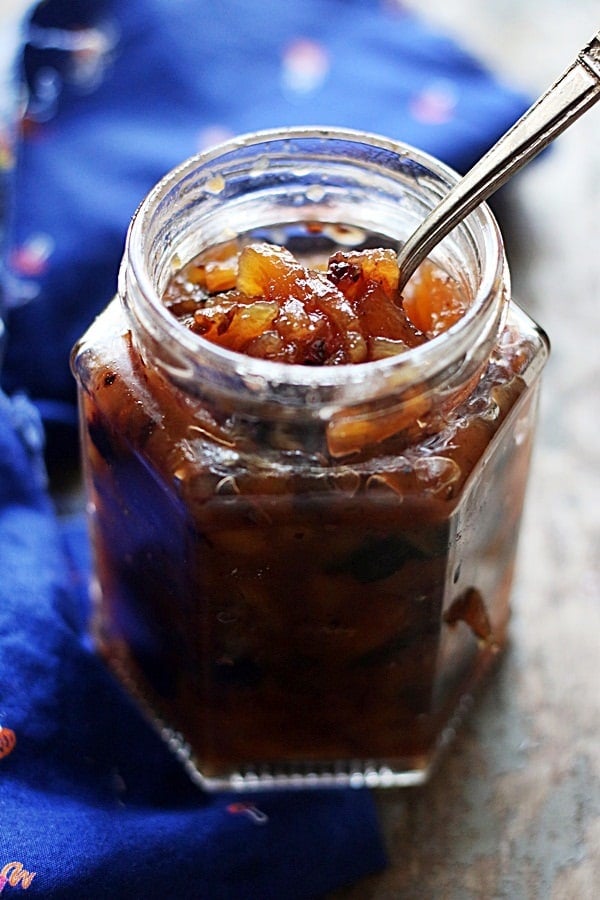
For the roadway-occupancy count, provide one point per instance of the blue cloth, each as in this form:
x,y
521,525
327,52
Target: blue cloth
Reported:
x,y
91,800
92,805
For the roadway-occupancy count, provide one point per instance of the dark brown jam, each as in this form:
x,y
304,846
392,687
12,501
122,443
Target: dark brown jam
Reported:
x,y
283,596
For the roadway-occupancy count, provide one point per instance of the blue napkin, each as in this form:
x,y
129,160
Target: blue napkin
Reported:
x,y
92,803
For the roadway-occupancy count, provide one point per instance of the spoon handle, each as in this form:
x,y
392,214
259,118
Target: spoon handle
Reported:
x,y
572,94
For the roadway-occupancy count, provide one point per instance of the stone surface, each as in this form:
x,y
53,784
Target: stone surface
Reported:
x,y
513,812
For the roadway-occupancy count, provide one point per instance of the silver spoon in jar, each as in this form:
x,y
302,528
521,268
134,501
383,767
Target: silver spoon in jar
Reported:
x,y
572,94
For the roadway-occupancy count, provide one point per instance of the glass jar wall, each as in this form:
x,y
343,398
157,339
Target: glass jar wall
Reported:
x,y
303,572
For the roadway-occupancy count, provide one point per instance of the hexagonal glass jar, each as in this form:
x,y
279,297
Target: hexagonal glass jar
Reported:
x,y
303,572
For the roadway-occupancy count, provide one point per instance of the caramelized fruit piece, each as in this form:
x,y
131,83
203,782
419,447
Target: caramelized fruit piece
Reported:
x,y
316,321
382,318
267,270
369,280
350,432
354,271
432,301
220,275
234,324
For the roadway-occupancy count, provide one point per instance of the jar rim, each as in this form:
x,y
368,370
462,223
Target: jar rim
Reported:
x,y
453,344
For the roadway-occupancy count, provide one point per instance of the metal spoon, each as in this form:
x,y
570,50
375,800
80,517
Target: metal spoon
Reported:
x,y
576,90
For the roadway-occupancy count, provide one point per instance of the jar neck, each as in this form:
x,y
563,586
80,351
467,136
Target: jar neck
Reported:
x,y
269,179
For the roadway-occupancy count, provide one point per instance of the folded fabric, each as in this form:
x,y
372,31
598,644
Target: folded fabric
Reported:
x,y
92,804
121,92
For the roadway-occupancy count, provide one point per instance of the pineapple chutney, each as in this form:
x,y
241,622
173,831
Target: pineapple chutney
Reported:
x,y
304,489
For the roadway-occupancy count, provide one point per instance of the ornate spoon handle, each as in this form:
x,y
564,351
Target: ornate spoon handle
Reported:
x,y
572,94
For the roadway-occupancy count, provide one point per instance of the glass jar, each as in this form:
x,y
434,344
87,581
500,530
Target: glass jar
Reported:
x,y
303,572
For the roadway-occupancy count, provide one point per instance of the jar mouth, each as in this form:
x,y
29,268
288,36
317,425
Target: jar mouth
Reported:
x,y
153,246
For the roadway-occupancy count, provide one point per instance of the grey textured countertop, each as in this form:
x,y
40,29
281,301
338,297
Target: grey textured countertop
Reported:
x,y
514,809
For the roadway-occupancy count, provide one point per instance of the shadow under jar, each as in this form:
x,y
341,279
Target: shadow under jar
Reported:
x,y
303,572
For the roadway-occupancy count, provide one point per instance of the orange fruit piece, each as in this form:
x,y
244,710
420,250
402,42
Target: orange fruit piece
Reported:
x,y
353,271
432,301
